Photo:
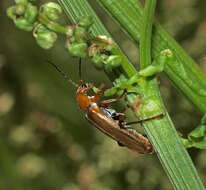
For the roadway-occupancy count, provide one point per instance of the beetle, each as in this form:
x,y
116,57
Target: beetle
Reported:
x,y
108,120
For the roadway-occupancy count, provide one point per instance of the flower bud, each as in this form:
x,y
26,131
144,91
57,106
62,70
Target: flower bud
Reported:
x,y
52,10
19,9
31,13
23,24
45,38
78,49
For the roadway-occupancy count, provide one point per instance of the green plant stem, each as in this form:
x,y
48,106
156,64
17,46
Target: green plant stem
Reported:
x,y
51,25
162,134
169,156
71,8
146,34
183,72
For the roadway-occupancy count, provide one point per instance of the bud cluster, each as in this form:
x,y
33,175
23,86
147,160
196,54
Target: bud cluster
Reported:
x,y
79,42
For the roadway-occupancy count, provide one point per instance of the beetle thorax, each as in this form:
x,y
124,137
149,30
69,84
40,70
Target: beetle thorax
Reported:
x,y
82,98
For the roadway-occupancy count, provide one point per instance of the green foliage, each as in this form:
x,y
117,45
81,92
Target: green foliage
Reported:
x,y
183,72
86,156
152,105
45,38
158,64
197,137
79,42
52,11
26,17
23,15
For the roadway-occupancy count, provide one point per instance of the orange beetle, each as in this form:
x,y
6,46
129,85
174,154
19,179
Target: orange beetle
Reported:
x,y
108,120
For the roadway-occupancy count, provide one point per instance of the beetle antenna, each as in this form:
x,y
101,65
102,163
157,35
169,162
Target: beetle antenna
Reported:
x,y
63,73
80,70
144,120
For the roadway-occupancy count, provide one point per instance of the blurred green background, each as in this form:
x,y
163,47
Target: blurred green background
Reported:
x,y
45,141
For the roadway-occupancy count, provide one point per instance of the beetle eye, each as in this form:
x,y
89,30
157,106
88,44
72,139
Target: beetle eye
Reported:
x,y
84,86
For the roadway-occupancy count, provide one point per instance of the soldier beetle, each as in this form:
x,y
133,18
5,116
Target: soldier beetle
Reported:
x,y
108,120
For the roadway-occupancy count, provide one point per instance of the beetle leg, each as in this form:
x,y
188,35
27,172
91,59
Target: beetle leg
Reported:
x,y
147,119
97,95
106,102
123,125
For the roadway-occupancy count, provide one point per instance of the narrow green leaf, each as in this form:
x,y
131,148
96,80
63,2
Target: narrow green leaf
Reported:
x,y
170,156
183,72
166,141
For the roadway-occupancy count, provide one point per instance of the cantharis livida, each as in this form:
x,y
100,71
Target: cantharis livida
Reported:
x,y
108,120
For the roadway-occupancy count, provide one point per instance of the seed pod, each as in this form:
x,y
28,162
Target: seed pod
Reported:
x,y
31,13
78,49
23,24
19,9
45,38
52,10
